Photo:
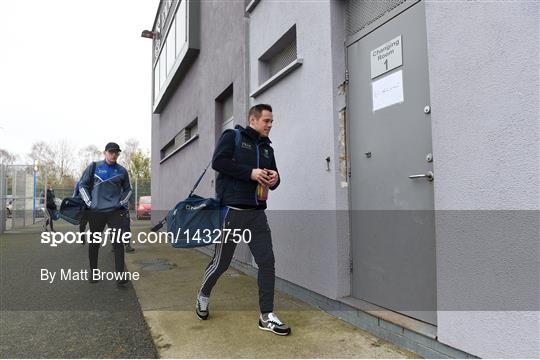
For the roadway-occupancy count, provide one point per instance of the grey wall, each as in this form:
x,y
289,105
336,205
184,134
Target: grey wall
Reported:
x,y
219,64
483,63
302,210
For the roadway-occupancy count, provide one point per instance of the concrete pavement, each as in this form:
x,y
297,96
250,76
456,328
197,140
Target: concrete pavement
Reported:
x,y
167,289
64,319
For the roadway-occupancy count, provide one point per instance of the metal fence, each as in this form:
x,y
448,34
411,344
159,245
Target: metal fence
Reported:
x,y
22,195
23,190
2,198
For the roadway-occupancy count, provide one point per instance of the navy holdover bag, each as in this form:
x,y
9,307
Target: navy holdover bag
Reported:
x,y
192,221
72,207
195,221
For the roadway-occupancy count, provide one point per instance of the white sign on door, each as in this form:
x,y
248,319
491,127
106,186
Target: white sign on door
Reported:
x,y
388,90
386,57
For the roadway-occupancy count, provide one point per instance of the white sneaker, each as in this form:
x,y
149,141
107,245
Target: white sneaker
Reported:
x,y
270,322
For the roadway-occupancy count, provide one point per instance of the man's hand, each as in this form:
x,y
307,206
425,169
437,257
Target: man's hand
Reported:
x,y
261,176
273,177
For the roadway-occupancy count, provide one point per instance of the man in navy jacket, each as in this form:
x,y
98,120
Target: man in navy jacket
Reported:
x,y
247,170
106,192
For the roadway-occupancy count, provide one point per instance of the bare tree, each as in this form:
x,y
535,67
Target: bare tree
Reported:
x,y
86,155
6,157
130,148
64,159
42,152
57,160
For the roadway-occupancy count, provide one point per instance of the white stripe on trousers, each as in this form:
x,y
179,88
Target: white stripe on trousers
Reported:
x,y
217,255
213,267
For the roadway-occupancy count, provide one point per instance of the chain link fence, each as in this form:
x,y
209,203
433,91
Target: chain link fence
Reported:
x,y
22,196
23,192
3,200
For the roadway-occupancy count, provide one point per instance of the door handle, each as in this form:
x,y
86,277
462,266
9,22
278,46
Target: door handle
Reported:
x,y
428,175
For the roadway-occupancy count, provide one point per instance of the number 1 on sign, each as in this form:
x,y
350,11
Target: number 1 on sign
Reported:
x,y
386,64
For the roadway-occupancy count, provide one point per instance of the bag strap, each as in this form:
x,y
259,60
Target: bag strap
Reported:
x,y
199,180
237,138
236,143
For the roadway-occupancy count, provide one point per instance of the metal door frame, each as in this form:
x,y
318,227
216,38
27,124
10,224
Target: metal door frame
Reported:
x,y
350,40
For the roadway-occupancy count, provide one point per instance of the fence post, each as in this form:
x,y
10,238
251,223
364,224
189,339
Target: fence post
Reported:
x,y
136,192
3,197
35,190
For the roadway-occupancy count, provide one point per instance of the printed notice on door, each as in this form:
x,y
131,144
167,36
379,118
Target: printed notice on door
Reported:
x,y
388,90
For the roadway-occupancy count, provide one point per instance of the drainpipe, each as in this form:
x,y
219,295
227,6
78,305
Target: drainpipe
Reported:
x,y
35,190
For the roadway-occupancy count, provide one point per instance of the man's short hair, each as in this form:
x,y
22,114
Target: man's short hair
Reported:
x,y
257,110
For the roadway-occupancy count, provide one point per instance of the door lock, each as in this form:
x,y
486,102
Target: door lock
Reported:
x,y
428,175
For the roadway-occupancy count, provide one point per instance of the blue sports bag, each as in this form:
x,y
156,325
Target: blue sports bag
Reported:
x,y
71,210
195,221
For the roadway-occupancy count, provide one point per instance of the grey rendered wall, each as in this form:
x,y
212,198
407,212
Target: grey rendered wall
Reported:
x,y
483,63
219,64
302,210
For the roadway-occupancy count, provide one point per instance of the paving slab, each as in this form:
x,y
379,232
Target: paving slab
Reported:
x,y
167,297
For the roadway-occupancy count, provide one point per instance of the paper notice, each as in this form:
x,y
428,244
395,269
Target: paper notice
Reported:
x,y
388,90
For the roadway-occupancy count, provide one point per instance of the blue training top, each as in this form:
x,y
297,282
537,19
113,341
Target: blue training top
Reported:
x,y
111,188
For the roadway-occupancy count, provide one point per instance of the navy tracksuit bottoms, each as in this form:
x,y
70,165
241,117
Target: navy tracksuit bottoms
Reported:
x,y
97,221
261,247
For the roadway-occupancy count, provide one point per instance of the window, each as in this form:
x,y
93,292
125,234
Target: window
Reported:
x,y
282,59
281,54
162,66
181,27
278,61
171,45
182,139
171,53
191,131
224,111
228,118
176,46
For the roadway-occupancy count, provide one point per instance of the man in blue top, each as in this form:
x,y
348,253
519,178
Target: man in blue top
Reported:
x,y
126,224
106,200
